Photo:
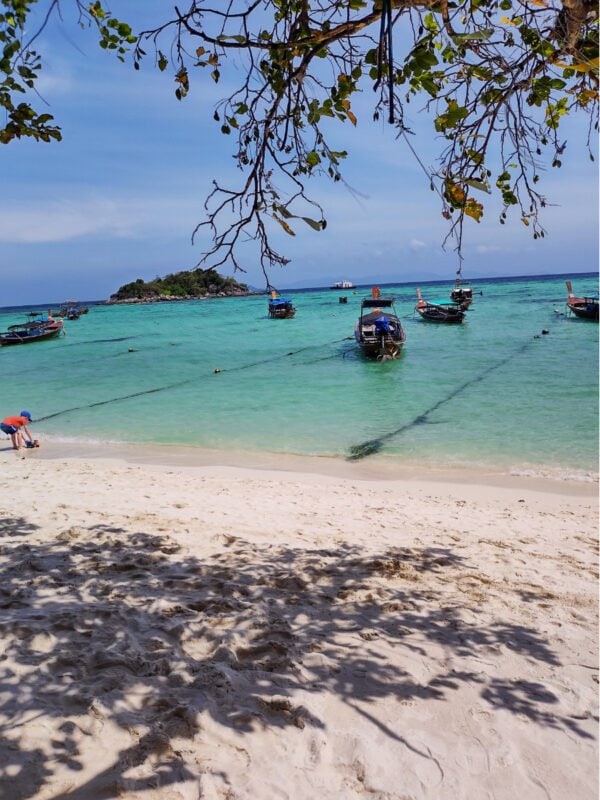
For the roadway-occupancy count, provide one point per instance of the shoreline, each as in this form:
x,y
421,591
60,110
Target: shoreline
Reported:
x,y
583,483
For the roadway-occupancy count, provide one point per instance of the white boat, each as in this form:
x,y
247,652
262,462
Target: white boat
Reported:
x,y
342,285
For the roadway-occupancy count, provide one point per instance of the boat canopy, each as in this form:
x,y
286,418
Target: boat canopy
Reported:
x,y
448,303
379,302
280,301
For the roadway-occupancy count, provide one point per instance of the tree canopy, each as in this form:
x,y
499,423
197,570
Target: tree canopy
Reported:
x,y
496,77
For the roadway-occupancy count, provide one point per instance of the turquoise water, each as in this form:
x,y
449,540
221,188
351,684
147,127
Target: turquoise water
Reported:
x,y
494,392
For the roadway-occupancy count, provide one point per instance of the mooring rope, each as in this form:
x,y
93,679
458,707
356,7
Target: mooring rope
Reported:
x,y
196,378
372,446
356,452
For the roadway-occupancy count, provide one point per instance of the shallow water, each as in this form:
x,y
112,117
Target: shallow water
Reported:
x,y
493,392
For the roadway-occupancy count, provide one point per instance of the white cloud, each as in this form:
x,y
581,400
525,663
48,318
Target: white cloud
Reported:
x,y
487,248
416,244
94,216
54,84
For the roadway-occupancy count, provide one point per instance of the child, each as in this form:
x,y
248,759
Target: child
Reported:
x,y
15,427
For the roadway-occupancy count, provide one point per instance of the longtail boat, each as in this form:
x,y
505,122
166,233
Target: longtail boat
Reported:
x,y
582,307
379,332
27,332
439,310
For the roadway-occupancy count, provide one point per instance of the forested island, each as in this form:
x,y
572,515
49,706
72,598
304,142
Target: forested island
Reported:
x,y
186,285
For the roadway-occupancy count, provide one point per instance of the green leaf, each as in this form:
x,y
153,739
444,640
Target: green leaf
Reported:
x,y
481,35
481,185
236,38
430,23
430,86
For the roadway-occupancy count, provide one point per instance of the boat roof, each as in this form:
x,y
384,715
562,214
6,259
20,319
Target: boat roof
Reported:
x,y
442,303
380,302
279,301
25,326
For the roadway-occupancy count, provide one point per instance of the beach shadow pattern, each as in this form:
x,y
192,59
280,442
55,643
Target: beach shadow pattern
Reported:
x,y
134,636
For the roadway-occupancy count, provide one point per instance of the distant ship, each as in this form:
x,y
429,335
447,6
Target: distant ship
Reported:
x,y
342,285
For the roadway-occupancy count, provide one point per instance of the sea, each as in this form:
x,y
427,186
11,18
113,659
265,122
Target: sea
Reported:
x,y
513,389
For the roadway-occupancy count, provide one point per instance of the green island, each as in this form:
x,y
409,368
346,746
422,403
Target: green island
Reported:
x,y
186,285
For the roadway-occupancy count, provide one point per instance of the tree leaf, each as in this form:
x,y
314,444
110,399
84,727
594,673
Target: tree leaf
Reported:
x,y
314,224
473,209
481,185
481,35
284,225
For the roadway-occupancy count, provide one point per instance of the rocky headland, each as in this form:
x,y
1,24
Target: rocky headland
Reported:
x,y
186,285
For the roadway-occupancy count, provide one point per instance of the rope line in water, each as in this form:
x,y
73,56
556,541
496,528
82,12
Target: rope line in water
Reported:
x,y
188,380
372,446
357,452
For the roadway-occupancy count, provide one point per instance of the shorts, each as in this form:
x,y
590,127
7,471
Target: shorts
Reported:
x,y
10,429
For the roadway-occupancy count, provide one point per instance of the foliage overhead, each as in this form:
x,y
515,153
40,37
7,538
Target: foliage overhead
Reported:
x,y
496,77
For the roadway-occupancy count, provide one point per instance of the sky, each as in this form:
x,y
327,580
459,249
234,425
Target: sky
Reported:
x,y
120,196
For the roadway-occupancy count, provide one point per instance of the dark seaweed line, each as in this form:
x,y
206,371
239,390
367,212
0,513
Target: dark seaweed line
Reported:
x,y
372,446
185,382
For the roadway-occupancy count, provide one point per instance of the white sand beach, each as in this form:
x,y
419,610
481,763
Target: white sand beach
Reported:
x,y
185,630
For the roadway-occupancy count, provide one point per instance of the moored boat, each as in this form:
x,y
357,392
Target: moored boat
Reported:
x,y
379,332
71,310
345,284
461,295
28,332
281,307
582,307
439,310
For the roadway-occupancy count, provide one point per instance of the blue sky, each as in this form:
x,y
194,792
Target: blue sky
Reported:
x,y
119,197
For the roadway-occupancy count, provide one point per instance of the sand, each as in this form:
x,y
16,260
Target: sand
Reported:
x,y
181,631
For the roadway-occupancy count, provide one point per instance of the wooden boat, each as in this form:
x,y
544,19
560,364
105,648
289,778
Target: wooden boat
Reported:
x,y
378,331
439,310
582,307
461,295
71,310
281,307
28,332
345,284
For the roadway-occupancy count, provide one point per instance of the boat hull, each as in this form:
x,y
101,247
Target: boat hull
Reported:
x,y
440,315
585,310
282,313
388,349
380,336
582,307
27,337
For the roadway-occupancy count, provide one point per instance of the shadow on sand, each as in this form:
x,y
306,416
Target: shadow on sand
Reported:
x,y
99,615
